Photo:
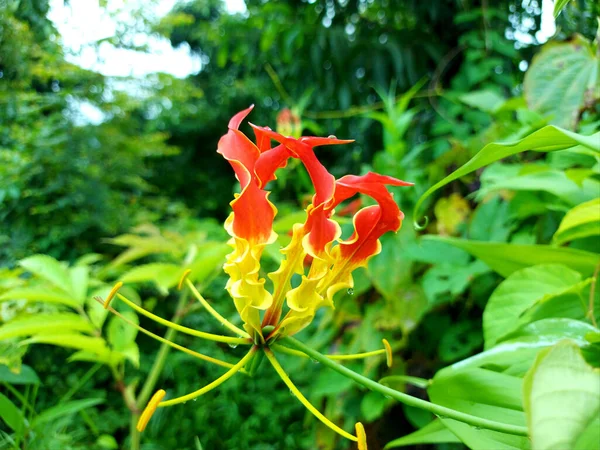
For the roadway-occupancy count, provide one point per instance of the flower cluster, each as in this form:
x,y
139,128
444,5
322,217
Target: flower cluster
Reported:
x,y
271,316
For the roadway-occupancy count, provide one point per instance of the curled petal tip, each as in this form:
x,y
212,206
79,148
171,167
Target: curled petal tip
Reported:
x,y
183,278
361,436
388,352
112,293
150,409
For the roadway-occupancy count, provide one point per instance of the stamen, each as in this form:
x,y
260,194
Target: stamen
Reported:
x,y
209,387
186,330
170,343
183,278
149,410
112,293
361,435
291,351
214,313
388,352
303,399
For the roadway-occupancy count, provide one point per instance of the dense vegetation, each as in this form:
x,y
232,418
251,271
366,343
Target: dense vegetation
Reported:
x,y
490,305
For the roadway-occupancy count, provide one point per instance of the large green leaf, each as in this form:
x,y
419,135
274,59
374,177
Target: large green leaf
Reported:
x,y
508,258
49,269
432,433
210,257
484,393
10,414
520,292
547,139
39,294
581,221
38,324
562,399
163,275
71,340
516,354
562,79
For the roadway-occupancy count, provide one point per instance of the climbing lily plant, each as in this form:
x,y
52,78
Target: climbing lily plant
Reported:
x,y
272,316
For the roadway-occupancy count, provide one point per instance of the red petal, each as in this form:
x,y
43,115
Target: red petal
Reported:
x,y
235,121
253,215
269,162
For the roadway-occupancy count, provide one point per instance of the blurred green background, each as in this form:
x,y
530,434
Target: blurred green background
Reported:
x,y
116,176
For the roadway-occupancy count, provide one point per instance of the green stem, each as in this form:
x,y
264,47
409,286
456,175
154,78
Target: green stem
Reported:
x,y
440,411
155,371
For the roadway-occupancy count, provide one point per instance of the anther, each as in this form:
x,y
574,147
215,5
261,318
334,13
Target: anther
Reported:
x,y
112,293
149,410
388,352
183,277
361,435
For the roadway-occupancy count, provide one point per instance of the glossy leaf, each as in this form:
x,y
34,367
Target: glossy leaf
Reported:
x,y
520,292
508,258
581,221
559,6
561,398
433,433
484,393
547,139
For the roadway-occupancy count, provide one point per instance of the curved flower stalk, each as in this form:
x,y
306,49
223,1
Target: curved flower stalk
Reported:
x,y
271,317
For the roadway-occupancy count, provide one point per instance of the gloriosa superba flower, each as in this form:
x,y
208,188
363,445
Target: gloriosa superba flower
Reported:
x,y
270,315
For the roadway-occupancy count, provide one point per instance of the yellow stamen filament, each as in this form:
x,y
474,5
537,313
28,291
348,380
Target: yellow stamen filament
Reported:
x,y
388,352
149,410
209,387
186,330
214,313
183,278
361,435
291,351
112,293
303,399
170,343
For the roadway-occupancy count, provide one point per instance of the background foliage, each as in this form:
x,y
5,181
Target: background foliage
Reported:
x,y
473,304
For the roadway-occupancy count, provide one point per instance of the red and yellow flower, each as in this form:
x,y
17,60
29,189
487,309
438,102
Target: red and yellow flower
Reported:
x,y
269,315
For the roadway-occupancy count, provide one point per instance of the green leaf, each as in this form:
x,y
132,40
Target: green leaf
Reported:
x,y
562,79
372,406
484,393
65,409
486,100
433,433
559,6
71,340
516,354
547,139
10,414
38,324
508,258
49,269
395,380
79,281
579,222
163,275
520,292
211,256
120,334
39,294
26,375
561,398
